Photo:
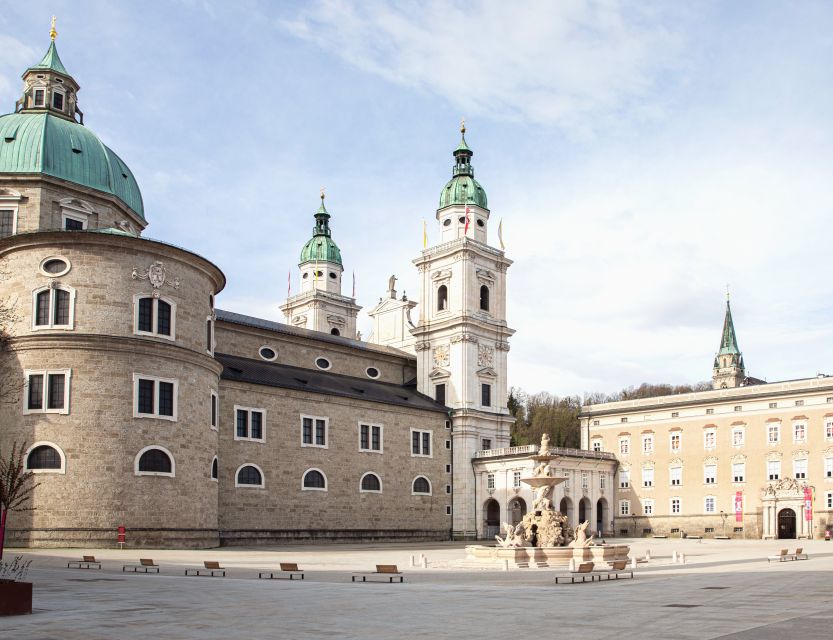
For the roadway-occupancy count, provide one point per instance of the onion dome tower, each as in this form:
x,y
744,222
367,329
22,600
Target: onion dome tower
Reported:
x,y
320,306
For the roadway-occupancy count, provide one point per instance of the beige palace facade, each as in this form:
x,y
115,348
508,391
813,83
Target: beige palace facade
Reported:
x,y
746,459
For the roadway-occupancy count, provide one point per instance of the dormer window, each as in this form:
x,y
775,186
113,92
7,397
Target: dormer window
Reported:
x,y
40,97
58,100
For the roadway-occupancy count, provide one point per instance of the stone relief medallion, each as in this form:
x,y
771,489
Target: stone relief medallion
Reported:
x,y
157,276
441,356
485,355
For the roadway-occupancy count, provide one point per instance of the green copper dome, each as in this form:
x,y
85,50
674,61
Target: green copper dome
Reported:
x,y
463,188
321,247
48,144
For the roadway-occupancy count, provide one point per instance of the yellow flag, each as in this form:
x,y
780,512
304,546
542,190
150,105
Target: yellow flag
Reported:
x,y
500,234
424,235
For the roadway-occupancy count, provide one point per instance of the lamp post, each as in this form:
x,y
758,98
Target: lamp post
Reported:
x,y
633,515
723,516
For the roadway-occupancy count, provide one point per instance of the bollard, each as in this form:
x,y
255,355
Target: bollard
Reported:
x,y
673,557
682,558
413,561
648,555
572,565
424,562
506,565
633,562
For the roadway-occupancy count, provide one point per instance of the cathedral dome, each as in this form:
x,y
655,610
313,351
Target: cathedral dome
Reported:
x,y
55,146
463,188
321,249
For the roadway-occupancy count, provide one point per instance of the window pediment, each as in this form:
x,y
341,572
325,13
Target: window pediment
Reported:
x,y
437,373
487,372
441,274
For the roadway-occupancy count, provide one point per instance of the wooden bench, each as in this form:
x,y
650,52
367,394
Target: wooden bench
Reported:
x,y
211,568
389,572
288,569
800,555
615,569
89,562
782,556
582,572
145,566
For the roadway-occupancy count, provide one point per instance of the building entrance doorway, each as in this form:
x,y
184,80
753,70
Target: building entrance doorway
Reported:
x,y
786,524
492,519
517,510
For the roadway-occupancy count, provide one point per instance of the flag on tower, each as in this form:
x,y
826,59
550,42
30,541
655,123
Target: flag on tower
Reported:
x,y
500,234
424,234
466,230
354,283
289,283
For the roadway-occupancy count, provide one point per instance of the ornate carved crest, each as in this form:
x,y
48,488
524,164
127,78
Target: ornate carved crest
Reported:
x,y
441,274
333,319
157,276
485,355
485,275
464,337
299,320
502,346
441,356
422,346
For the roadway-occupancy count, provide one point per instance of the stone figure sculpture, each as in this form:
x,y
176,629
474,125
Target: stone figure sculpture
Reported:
x,y
545,445
580,538
514,536
544,501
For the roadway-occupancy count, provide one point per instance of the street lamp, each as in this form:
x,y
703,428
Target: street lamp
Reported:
x,y
633,515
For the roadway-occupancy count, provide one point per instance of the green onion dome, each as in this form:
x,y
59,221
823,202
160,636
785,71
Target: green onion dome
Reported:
x,y
321,247
463,188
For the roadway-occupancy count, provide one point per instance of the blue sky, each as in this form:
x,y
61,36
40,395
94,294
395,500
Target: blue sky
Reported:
x,y
641,155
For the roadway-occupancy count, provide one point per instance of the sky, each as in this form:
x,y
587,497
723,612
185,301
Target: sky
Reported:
x,y
643,156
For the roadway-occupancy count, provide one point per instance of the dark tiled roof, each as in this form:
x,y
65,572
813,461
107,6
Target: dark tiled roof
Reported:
x,y
280,327
283,376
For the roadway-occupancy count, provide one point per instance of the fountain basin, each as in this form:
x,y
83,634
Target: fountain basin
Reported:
x,y
549,556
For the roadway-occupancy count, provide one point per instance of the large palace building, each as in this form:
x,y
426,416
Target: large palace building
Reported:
x,y
747,459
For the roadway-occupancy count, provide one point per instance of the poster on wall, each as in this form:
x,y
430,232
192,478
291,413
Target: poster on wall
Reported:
x,y
738,506
808,504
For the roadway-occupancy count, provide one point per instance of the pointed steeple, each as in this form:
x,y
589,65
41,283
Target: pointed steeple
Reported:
x,y
51,60
729,342
729,370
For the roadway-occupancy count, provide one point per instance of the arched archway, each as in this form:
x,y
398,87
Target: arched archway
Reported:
x,y
602,516
565,507
517,510
491,515
786,524
584,509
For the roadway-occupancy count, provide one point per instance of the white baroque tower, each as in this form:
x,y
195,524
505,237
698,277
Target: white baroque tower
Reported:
x,y
462,338
320,306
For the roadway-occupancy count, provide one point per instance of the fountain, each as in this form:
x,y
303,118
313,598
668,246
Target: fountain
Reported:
x,y
544,537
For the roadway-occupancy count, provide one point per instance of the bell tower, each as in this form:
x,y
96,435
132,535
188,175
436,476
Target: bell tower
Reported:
x,y
320,306
729,370
462,338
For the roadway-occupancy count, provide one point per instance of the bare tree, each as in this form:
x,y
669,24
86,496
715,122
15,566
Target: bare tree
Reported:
x,y
16,486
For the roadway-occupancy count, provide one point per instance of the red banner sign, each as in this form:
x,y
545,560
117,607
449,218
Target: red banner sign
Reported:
x,y
808,504
738,506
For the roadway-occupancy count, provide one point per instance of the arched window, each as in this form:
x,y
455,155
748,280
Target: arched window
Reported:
x,y
315,480
214,468
335,332
53,307
154,461
45,457
442,298
421,486
154,316
248,475
371,483
484,298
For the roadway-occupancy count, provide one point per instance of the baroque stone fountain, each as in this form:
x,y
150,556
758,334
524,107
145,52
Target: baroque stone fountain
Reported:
x,y
544,537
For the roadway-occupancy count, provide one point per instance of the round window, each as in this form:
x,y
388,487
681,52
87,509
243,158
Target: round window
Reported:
x,y
461,220
322,363
318,274
267,353
480,223
305,276
372,372
54,266
332,275
447,222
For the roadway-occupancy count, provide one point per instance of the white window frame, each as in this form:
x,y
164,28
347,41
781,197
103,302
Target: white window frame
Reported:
x,y
707,475
63,94
249,411
602,480
214,420
44,443
370,426
648,444
768,473
51,326
312,444
211,468
154,317
773,427
76,215
802,425
709,500
828,429
624,508
671,476
706,434
742,439
156,380
46,373
671,436
271,348
516,479
326,486
828,468
679,505
378,477
626,441
800,465
735,474
262,484
648,507
625,483
209,322
162,474
490,481
35,104
647,480
829,499
14,208
585,479
596,444
430,486
430,443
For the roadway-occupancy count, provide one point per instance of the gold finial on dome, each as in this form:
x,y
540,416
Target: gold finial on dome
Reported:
x,y
322,194
52,32
727,293
463,126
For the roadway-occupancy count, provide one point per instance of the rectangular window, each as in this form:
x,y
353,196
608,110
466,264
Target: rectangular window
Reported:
x,y
624,446
828,467
585,480
737,437
710,473
624,478
73,224
320,432
56,390
516,479
709,439
46,391
709,504
58,100
53,308
799,432
625,419
675,414
602,480
6,222
799,403
739,472
676,476
595,423
597,445
648,477
648,507
209,335
163,318
738,407
709,412
439,393
306,430
154,397
675,441
249,423
154,316
485,444
829,495
370,437
675,505
486,395
421,443
490,481
828,429
773,470
40,97
773,405
800,469
214,409
146,314
448,468
647,444
774,433
624,507
35,395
